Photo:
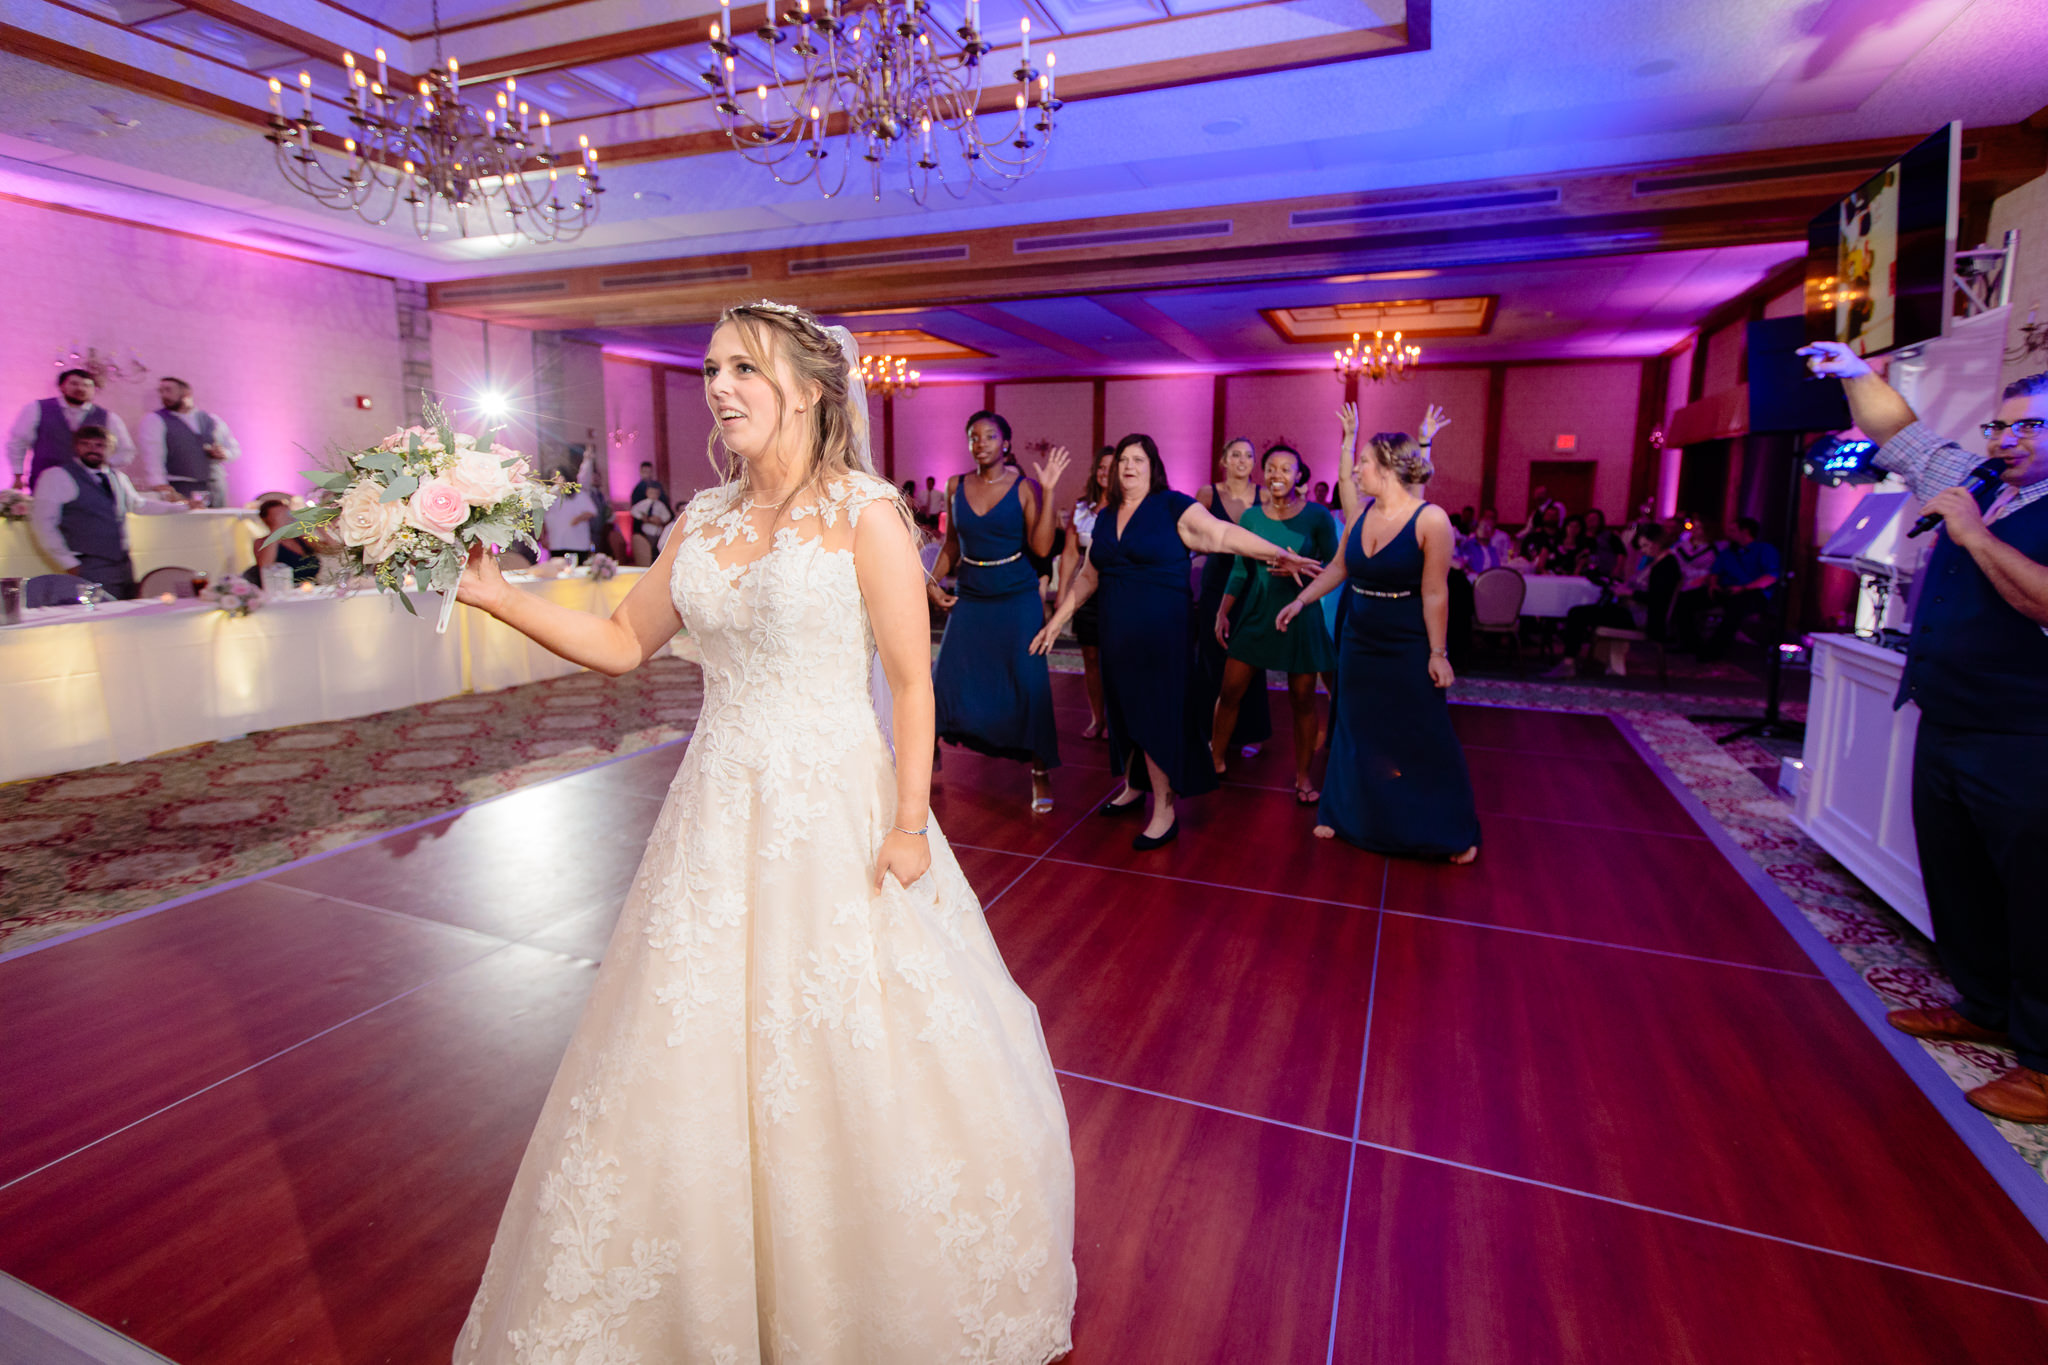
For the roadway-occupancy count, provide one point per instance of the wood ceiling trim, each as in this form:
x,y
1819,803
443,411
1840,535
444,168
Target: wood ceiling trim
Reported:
x,y
1596,213
277,31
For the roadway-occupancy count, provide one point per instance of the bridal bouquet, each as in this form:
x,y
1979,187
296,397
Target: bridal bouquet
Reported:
x,y
418,501
14,505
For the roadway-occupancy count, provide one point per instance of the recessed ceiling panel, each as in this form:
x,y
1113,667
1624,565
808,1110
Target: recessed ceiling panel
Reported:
x,y
220,40
1470,316
915,344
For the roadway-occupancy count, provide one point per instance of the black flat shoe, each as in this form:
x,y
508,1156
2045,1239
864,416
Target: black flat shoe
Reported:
x,y
1113,810
1145,842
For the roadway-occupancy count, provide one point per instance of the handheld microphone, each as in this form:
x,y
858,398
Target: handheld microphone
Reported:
x,y
1975,482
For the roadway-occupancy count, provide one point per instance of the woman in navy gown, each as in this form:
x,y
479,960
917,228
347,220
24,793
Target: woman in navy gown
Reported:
x,y
1151,681
1228,499
991,692
1397,781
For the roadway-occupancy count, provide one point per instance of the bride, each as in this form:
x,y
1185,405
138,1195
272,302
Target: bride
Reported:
x,y
807,1116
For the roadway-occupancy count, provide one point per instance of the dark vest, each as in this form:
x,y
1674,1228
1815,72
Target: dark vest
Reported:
x,y
1973,661
186,463
90,525
53,436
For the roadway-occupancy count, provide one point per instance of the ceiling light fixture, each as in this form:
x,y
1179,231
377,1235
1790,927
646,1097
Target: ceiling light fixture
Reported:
x,y
426,149
1378,360
881,79
888,375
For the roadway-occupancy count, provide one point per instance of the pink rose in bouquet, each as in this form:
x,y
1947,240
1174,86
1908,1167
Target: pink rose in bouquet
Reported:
x,y
481,478
367,523
437,507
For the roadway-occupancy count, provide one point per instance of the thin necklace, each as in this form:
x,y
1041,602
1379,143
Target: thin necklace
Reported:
x,y
990,478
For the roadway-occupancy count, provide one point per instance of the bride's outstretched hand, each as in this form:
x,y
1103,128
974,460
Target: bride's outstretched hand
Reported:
x,y
482,582
906,857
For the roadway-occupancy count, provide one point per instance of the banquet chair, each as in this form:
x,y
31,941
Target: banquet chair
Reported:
x,y
169,579
52,590
1497,607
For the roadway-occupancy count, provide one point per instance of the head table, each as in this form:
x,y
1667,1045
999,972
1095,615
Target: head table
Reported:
x,y
214,542
126,680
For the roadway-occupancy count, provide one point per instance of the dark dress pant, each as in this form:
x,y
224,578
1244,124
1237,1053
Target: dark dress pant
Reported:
x,y
1980,819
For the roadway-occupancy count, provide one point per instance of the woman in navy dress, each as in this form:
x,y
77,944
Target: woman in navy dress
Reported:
x,y
1228,499
991,692
1151,681
1397,781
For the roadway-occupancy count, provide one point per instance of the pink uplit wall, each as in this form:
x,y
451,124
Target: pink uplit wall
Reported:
x,y
1594,402
1063,414
627,437
279,348
474,359
931,431
689,431
1174,410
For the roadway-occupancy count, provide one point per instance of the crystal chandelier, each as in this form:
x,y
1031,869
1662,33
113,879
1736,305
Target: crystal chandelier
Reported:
x,y
1378,359
425,148
883,79
888,375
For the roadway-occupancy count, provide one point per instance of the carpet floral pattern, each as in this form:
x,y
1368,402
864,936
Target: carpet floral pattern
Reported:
x,y
84,847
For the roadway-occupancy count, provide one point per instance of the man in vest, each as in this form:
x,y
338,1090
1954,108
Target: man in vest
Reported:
x,y
183,450
80,514
1977,666
41,435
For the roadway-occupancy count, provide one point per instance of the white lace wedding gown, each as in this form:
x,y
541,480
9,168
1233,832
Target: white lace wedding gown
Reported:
x,y
798,1122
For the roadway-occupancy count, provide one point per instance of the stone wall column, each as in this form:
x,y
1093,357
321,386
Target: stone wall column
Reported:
x,y
415,349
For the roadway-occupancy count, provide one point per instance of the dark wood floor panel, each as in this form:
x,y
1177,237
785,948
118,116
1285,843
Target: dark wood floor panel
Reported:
x,y
1200,1237
335,1205
1540,732
1253,1002
1616,794
1668,892
989,870
1244,837
109,1028
1451,1266
987,801
1750,1098
509,867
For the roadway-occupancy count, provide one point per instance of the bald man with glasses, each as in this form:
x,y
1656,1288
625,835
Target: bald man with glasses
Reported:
x,y
1977,665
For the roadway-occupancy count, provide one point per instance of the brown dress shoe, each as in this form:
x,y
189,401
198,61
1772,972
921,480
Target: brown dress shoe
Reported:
x,y
1944,1024
2020,1095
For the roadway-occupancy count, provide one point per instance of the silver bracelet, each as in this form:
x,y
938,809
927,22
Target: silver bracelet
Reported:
x,y
919,832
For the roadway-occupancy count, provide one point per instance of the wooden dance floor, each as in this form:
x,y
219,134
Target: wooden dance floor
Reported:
x,y
1587,1101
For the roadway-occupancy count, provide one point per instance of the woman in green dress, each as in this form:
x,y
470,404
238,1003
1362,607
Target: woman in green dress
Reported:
x,y
1293,522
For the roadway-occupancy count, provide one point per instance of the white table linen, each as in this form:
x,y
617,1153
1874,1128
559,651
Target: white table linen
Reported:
x,y
214,541
131,679
1556,594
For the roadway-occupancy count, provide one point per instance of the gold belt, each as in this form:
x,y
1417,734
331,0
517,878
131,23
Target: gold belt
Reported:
x,y
992,563
1369,592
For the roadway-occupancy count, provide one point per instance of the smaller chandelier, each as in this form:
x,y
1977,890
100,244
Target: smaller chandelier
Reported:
x,y
888,375
426,148
1379,359
884,81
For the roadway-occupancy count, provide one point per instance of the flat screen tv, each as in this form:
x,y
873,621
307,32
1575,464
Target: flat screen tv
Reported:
x,y
1877,263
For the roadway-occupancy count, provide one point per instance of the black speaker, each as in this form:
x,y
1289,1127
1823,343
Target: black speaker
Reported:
x,y
1784,396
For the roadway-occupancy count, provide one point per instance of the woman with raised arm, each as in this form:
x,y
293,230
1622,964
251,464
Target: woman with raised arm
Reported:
x,y
1255,647
994,695
1228,499
1157,731
1087,621
1396,781
807,1115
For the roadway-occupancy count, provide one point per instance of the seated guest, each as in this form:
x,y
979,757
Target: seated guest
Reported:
x,y
1742,582
1486,547
1604,549
569,526
1545,525
1695,552
183,451
42,432
301,554
80,514
1641,601
1567,552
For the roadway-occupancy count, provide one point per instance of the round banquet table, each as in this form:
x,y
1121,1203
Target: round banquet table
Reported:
x,y
1551,594
216,542
126,680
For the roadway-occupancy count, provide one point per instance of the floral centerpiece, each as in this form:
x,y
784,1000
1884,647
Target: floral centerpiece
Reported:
x,y
14,505
235,595
417,502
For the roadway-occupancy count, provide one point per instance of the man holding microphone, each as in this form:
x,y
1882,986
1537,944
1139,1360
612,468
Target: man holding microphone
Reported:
x,y
1977,665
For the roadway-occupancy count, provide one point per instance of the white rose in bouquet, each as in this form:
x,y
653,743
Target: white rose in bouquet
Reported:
x,y
369,524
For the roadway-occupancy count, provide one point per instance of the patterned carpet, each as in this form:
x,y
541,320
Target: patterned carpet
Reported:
x,y
84,847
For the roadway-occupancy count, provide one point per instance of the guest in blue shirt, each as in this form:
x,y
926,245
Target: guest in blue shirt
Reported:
x,y
1742,582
